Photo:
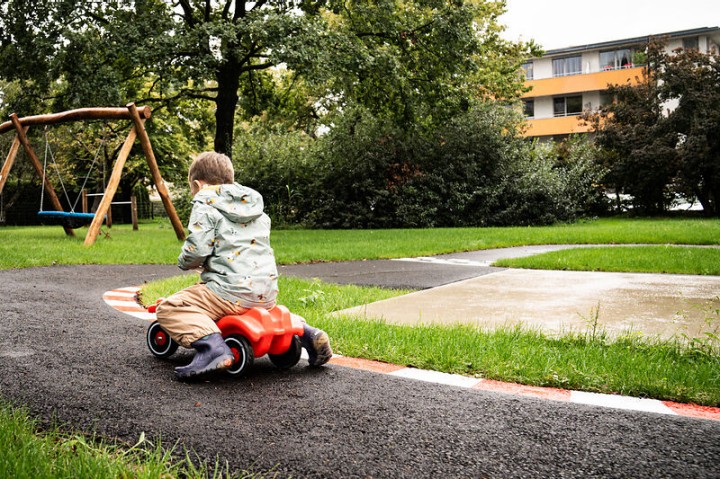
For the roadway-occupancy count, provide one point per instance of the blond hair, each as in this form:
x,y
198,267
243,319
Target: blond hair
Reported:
x,y
212,168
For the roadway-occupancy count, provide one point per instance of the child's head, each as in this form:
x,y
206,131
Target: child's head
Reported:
x,y
211,168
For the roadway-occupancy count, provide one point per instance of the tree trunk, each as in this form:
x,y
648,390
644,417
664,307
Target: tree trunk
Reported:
x,y
228,80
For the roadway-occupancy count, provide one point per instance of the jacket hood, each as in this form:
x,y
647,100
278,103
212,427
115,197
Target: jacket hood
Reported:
x,y
237,203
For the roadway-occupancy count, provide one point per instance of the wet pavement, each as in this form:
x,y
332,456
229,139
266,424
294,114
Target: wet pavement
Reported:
x,y
464,288
561,301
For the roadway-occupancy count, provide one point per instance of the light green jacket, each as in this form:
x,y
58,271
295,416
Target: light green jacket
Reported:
x,y
230,240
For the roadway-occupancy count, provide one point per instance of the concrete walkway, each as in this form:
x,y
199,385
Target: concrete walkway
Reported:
x,y
464,288
561,301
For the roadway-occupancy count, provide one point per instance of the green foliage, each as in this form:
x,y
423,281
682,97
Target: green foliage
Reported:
x,y
657,156
415,61
574,159
693,80
354,163
636,146
277,163
369,173
423,61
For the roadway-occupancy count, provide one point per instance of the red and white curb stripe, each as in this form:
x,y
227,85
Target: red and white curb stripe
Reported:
x,y
125,300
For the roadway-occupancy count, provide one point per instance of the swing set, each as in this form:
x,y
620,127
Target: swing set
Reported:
x,y
71,219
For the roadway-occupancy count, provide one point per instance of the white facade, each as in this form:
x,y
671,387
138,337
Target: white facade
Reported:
x,y
565,89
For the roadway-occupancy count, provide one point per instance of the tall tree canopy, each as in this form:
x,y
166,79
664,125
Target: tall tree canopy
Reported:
x,y
410,60
692,79
636,145
661,137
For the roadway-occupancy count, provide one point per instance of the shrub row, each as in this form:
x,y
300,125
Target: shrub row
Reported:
x,y
367,173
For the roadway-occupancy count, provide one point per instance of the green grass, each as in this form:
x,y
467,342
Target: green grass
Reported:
x,y
640,259
26,452
315,245
679,369
22,247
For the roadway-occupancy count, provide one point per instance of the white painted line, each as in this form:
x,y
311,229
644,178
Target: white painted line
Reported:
x,y
118,302
436,377
579,397
620,402
122,294
451,262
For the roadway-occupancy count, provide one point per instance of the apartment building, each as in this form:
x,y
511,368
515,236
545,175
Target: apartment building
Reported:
x,y
567,81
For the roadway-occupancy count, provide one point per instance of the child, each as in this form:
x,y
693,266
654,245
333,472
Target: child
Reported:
x,y
229,240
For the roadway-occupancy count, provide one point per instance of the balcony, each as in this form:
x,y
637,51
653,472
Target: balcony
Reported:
x,y
563,125
582,83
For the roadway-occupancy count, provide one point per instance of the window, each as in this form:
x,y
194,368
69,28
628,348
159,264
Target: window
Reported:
x,y
615,59
567,66
691,43
528,68
567,105
529,108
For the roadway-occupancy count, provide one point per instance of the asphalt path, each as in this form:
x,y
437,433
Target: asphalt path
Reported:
x,y
69,357
415,273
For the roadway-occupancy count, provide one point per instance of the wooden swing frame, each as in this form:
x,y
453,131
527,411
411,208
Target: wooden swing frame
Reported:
x,y
130,112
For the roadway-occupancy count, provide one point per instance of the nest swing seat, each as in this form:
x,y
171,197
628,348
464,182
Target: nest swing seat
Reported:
x,y
67,219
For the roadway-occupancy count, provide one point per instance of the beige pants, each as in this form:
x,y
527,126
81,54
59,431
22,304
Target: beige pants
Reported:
x,y
190,314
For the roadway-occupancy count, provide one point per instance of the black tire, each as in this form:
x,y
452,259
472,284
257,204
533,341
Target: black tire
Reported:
x,y
244,356
289,358
159,342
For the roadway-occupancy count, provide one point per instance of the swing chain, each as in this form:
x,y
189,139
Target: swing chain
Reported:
x,y
49,152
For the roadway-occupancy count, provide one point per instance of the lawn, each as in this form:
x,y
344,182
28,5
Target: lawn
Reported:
x,y
638,259
156,242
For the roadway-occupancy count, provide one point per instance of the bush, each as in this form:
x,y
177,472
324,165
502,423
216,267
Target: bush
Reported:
x,y
367,173
278,164
362,168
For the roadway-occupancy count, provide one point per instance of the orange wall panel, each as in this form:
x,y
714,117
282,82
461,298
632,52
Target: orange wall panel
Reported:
x,y
556,126
582,83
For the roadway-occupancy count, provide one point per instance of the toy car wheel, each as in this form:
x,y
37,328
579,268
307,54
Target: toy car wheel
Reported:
x,y
243,353
289,358
159,342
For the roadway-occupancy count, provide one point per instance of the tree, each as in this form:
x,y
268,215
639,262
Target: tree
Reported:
x,y
692,79
413,60
661,138
421,61
637,146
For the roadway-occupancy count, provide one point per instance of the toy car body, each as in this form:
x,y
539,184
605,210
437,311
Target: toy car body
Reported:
x,y
251,335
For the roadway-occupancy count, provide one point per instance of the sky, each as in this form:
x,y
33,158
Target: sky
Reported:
x,y
567,23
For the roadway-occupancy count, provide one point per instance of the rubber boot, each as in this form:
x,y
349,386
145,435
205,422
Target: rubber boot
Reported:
x,y
317,344
212,355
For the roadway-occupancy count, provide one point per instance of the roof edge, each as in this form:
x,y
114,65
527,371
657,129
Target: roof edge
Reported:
x,y
631,41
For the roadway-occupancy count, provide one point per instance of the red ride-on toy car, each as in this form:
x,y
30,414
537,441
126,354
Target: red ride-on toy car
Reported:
x,y
250,335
